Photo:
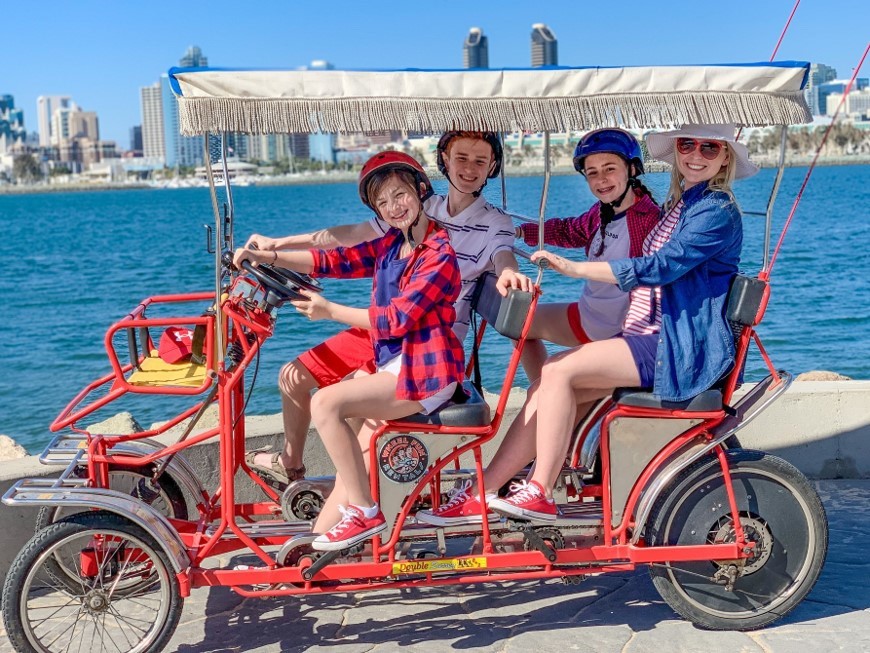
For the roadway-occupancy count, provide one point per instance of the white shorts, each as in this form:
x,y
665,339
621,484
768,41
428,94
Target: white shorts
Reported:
x,y
430,404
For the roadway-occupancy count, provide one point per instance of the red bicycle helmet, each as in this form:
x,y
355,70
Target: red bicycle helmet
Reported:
x,y
392,160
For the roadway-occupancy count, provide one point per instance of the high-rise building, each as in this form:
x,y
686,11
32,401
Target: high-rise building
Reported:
x,y
11,123
161,138
46,105
475,50
136,139
831,93
545,48
193,58
819,74
153,144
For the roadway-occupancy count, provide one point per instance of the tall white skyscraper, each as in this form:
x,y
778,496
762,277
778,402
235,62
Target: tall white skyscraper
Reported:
x,y
46,105
153,145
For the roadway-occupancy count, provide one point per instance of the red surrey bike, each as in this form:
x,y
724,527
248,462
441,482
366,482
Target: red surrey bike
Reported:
x,y
733,538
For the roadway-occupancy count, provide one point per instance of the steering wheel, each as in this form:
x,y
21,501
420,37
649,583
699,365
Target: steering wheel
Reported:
x,y
285,283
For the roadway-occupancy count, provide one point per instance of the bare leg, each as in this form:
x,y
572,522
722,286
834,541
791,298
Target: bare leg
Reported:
x,y
518,447
295,383
550,324
369,396
578,376
329,513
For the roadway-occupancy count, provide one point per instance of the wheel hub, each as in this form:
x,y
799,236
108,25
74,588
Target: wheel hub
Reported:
x,y
96,601
755,530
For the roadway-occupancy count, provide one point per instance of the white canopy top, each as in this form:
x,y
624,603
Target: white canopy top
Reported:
x,y
538,99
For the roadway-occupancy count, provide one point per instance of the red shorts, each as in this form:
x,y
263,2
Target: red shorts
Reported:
x,y
335,358
576,325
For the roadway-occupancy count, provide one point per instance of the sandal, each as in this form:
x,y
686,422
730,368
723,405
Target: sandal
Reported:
x,y
275,475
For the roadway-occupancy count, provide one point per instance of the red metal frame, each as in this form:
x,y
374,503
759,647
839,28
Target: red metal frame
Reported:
x,y
248,328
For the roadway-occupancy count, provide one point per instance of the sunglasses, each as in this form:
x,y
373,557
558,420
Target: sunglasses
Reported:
x,y
709,149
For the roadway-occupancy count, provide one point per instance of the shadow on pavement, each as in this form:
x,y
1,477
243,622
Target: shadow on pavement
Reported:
x,y
486,615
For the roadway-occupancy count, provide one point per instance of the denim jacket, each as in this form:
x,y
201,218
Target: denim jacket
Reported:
x,y
694,269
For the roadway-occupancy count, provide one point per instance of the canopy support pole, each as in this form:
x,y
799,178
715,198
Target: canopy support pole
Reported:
x,y
768,216
542,211
218,250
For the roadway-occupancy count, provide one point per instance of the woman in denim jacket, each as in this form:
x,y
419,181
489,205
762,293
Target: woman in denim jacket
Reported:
x,y
675,338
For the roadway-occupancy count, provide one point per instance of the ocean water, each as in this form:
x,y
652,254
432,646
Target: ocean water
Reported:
x,y
77,262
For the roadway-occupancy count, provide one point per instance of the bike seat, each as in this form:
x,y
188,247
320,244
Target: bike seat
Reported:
x,y
473,412
707,401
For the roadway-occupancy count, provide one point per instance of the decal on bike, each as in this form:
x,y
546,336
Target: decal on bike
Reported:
x,y
446,564
403,459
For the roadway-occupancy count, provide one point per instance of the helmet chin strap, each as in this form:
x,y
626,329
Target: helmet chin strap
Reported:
x,y
474,193
410,237
615,203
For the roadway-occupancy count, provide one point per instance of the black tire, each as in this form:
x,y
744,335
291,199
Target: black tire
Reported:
x,y
169,501
43,615
779,510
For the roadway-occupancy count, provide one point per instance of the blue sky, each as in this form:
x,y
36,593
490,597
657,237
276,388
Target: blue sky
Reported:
x,y
101,52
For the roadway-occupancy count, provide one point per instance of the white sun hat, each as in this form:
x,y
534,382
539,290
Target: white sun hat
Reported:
x,y
661,145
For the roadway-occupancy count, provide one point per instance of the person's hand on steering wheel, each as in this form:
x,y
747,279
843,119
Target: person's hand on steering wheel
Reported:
x,y
253,256
264,243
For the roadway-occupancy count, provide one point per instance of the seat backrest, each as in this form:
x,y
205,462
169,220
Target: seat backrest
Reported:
x,y
747,300
510,316
507,315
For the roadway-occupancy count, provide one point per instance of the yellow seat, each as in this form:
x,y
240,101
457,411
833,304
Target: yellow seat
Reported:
x,y
155,372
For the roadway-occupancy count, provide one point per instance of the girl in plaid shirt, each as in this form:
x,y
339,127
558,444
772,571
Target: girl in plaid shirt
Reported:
x,y
418,359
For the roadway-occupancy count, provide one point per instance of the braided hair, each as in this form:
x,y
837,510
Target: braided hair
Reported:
x,y
608,209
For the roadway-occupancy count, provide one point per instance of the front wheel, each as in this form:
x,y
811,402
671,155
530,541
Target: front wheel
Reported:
x,y
778,510
45,613
166,497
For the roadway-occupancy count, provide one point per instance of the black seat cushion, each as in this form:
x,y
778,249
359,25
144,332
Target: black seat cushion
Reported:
x,y
473,412
707,401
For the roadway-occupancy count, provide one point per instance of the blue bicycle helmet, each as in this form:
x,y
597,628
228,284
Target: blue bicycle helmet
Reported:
x,y
614,141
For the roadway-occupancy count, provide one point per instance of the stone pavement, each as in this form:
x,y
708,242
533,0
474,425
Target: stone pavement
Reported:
x,y
607,613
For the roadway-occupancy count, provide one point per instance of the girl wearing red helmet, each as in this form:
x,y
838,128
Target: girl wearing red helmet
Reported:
x,y
416,281
482,236
614,227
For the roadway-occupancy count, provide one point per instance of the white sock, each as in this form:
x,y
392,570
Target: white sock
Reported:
x,y
489,496
369,512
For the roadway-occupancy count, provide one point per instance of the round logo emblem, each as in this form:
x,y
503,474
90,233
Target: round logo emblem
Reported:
x,y
403,459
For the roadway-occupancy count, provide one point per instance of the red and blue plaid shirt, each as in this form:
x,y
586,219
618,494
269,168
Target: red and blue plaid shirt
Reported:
x,y
641,217
422,314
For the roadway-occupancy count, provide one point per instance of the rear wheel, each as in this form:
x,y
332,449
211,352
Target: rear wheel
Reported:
x,y
88,612
779,511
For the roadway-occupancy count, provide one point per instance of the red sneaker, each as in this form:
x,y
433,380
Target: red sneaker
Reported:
x,y
461,509
353,528
527,501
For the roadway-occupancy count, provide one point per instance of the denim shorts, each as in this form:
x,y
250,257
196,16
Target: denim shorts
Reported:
x,y
643,351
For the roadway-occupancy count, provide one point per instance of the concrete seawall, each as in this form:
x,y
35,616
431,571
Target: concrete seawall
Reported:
x,y
822,427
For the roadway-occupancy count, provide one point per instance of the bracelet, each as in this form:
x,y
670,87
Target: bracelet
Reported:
x,y
275,259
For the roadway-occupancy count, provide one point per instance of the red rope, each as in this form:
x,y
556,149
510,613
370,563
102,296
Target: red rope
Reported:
x,y
797,199
784,30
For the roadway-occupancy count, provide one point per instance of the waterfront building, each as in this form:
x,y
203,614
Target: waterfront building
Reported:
x,y
545,48
193,58
152,123
136,139
837,88
857,103
819,74
161,137
11,124
475,50
321,147
46,105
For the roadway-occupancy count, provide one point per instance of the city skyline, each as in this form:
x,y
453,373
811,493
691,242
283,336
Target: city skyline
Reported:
x,y
105,75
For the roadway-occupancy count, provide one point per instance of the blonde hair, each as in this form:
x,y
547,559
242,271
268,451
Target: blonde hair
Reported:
x,y
721,181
